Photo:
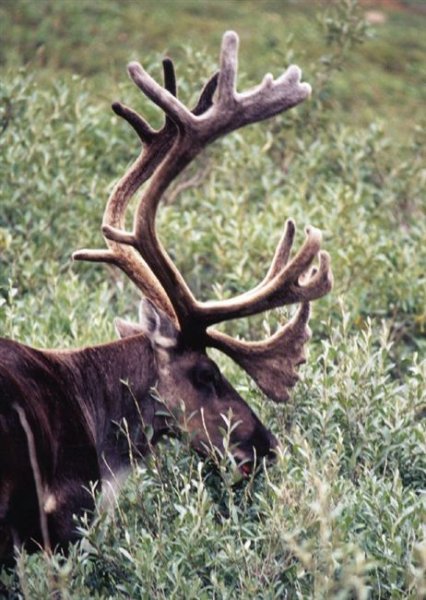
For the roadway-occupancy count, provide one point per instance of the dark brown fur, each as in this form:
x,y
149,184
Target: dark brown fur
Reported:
x,y
78,405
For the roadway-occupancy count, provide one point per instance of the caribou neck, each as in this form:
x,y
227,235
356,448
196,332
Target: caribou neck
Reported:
x,y
114,385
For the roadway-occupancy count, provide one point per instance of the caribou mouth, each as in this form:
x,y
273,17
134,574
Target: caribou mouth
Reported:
x,y
248,464
246,468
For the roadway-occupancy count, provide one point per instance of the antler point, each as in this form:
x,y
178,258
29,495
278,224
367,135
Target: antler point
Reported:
x,y
134,69
268,80
313,232
290,224
231,36
117,107
294,71
306,88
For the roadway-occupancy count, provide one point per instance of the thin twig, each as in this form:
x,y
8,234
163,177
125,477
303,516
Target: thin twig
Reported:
x,y
37,476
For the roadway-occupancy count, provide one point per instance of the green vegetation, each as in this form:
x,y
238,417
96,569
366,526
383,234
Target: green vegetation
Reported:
x,y
342,513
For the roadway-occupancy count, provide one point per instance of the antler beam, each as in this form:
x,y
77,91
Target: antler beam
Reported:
x,y
219,110
216,114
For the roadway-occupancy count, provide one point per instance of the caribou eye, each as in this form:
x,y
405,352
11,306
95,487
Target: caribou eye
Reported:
x,y
205,375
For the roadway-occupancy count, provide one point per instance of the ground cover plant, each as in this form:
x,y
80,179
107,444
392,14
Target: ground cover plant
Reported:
x,y
342,513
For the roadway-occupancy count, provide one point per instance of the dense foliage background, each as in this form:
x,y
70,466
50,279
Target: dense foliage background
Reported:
x,y
342,513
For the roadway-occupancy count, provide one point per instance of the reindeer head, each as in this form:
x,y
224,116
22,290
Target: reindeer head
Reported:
x,y
202,402
180,327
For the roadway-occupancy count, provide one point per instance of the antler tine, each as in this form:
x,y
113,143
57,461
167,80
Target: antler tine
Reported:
x,y
171,106
206,97
142,128
144,131
169,76
226,88
282,253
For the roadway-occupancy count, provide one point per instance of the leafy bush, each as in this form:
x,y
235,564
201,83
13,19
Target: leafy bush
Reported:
x,y
341,514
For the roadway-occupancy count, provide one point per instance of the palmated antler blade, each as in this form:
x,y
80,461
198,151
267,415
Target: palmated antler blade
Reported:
x,y
271,363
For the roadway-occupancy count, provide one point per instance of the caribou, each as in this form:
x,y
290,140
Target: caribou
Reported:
x,y
70,418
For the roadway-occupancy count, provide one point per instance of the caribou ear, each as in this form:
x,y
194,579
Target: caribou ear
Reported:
x,y
153,322
127,329
157,326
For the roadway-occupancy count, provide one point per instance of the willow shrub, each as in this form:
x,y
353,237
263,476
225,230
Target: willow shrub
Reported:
x,y
341,513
